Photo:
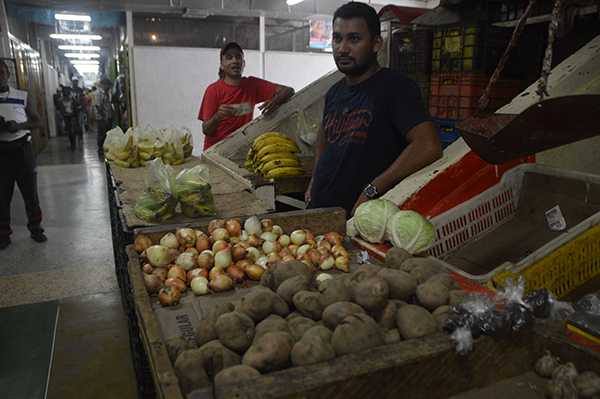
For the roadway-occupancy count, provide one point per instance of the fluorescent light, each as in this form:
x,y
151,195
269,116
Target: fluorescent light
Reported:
x,y
86,68
293,2
85,62
73,17
82,55
68,47
67,36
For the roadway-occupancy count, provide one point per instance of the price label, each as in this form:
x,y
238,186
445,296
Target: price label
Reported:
x,y
555,219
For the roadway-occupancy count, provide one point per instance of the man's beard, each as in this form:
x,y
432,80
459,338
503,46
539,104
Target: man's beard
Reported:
x,y
355,68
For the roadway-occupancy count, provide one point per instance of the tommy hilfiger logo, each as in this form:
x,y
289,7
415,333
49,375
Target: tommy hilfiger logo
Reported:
x,y
350,126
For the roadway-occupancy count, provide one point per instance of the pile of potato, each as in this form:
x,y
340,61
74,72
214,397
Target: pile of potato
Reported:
x,y
296,317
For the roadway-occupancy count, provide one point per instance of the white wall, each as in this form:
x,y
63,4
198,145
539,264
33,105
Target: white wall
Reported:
x,y
170,81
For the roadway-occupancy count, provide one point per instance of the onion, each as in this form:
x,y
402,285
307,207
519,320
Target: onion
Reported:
x,y
284,240
169,296
214,271
191,250
288,257
342,263
269,236
199,233
243,262
236,272
304,249
177,272
323,243
239,251
187,260
147,268
175,282
333,238
243,235
310,239
141,242
273,263
153,283
262,261
199,285
253,254
255,241
160,272
221,282
206,260
169,240
198,271
277,230
266,225
220,234
293,249
219,246
175,253
186,236
314,255
234,240
274,256
253,226
271,246
323,277
326,262
159,255
203,242
234,227
304,258
223,258
215,224
254,271
322,250
298,237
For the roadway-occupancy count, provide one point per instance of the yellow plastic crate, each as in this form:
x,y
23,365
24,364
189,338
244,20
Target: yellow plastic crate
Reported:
x,y
563,270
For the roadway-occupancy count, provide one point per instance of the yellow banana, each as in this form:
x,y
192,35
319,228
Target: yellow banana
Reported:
x,y
267,135
274,140
265,168
284,171
122,164
278,147
278,155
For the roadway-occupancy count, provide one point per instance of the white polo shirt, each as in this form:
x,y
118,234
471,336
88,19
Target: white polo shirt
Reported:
x,y
12,108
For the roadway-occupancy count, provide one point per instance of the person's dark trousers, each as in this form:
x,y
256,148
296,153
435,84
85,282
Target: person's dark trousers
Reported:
x,y
102,129
79,124
70,122
18,164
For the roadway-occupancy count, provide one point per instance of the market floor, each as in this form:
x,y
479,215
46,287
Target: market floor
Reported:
x,y
89,339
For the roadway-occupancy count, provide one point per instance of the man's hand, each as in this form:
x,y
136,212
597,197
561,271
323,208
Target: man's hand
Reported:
x,y
268,107
226,110
14,127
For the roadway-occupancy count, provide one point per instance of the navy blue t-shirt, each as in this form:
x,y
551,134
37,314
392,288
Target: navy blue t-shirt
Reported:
x,y
365,127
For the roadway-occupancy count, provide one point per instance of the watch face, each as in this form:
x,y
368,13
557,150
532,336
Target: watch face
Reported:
x,y
371,191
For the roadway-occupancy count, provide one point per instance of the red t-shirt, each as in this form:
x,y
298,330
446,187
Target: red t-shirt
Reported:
x,y
252,90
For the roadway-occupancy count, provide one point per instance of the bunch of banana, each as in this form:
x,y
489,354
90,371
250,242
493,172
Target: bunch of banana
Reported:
x,y
148,151
127,157
188,145
155,205
171,155
274,155
196,199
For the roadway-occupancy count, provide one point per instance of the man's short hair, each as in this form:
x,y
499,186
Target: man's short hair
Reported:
x,y
355,9
5,65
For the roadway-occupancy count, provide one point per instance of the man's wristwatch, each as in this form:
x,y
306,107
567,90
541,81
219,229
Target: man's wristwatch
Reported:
x,y
371,191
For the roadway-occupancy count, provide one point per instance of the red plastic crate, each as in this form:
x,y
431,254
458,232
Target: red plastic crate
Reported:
x,y
455,95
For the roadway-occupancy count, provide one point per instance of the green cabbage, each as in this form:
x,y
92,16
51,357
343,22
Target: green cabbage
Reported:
x,y
411,231
370,219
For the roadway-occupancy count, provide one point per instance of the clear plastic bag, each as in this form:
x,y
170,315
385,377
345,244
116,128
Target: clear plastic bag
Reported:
x,y
173,154
126,154
113,137
187,142
307,130
151,145
157,202
193,190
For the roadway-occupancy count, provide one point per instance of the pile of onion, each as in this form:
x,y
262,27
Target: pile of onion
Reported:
x,y
228,253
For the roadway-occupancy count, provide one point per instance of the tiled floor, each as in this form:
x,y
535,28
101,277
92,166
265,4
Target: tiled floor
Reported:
x,y
76,266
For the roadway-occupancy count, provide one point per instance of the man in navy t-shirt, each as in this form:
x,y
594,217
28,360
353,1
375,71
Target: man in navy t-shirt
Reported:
x,y
375,129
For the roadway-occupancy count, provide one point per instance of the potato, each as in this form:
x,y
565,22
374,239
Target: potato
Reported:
x,y
386,317
235,330
206,332
335,313
257,304
299,325
456,297
270,324
332,291
236,374
311,350
270,353
177,344
218,357
432,295
545,366
293,314
440,315
320,331
372,294
352,282
444,279
280,307
422,268
395,256
307,303
277,274
370,268
291,287
190,370
391,337
415,321
401,284
356,333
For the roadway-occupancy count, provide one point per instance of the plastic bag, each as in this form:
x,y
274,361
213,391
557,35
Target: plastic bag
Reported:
x,y
151,145
113,137
126,154
193,190
307,127
173,154
187,142
157,202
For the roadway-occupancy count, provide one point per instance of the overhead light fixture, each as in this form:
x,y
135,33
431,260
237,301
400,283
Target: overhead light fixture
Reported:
x,y
83,69
70,47
82,55
73,17
67,36
85,62
195,13
293,2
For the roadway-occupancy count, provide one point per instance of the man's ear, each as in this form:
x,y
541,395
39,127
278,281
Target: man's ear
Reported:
x,y
377,43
